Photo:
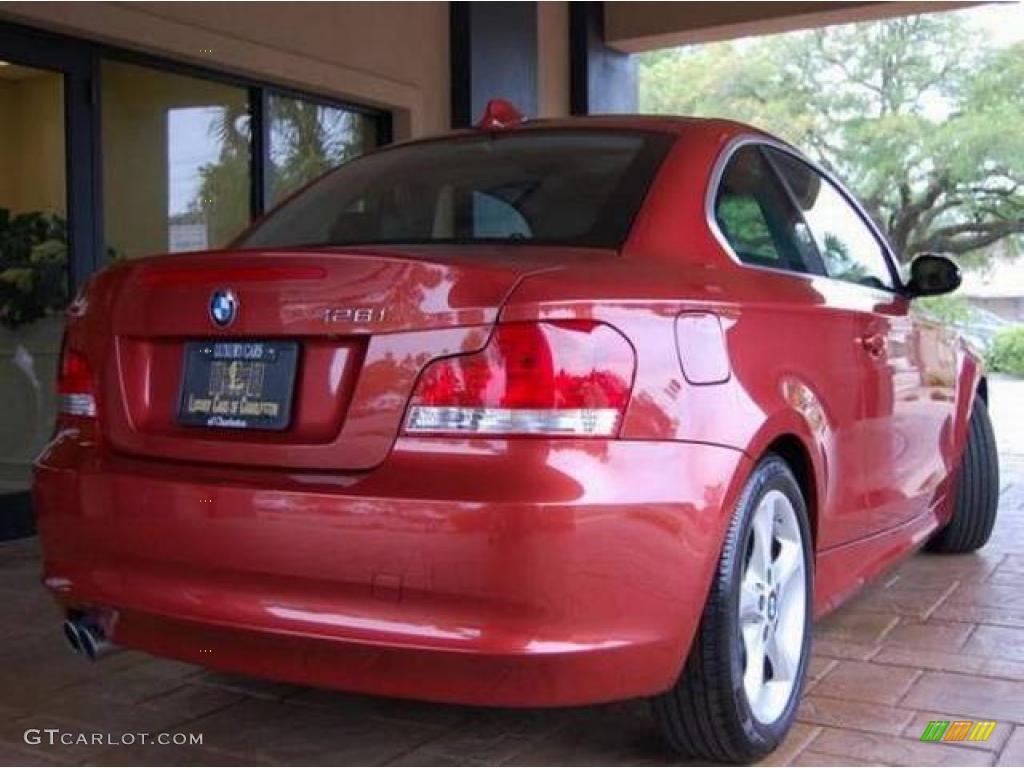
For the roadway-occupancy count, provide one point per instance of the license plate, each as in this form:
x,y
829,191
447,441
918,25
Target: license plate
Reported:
x,y
238,384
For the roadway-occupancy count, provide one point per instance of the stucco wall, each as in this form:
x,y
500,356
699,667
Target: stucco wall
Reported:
x,y
392,55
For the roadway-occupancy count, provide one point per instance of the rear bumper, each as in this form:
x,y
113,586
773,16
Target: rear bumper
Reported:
x,y
522,573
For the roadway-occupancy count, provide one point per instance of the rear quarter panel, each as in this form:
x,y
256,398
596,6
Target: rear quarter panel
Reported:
x,y
791,373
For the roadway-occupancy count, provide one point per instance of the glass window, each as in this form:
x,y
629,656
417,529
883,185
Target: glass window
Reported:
x,y
494,218
176,157
308,139
564,187
33,266
848,248
757,218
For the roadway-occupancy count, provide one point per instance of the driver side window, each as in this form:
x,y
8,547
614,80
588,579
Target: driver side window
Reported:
x,y
849,249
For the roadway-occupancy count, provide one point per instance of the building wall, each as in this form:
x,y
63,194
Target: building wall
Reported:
x,y
553,59
9,192
42,144
390,55
32,144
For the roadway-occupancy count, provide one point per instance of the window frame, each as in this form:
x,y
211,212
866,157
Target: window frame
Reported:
x,y
80,60
258,93
817,270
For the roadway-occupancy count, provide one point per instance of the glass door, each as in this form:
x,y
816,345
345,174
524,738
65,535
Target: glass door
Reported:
x,y
34,280
40,258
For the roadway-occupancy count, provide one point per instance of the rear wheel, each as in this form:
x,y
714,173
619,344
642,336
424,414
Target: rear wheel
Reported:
x,y
977,490
739,690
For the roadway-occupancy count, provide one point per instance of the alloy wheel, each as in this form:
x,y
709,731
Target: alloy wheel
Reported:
x,y
772,607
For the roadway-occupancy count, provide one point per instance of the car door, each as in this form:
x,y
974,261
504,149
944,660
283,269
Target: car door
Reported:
x,y
799,335
905,372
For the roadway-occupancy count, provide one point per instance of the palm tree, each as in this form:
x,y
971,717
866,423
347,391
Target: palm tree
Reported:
x,y
306,140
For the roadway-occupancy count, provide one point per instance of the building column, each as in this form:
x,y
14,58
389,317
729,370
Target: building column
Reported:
x,y
601,79
493,56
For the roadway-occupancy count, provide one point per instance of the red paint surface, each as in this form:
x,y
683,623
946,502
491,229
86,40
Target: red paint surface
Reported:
x,y
513,571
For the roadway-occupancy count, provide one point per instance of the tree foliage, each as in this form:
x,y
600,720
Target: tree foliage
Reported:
x,y
1007,352
33,266
310,140
917,114
307,140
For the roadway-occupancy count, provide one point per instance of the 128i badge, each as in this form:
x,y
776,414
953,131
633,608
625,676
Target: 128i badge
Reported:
x,y
354,314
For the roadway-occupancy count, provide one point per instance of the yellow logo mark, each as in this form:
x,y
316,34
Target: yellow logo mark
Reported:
x,y
982,730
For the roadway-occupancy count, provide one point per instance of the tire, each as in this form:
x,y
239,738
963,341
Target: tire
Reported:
x,y
708,713
977,490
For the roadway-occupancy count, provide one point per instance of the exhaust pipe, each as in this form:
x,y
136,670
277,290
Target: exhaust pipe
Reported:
x,y
71,635
86,636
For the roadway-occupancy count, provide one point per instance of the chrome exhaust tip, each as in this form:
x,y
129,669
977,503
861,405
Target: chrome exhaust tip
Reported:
x,y
71,635
86,636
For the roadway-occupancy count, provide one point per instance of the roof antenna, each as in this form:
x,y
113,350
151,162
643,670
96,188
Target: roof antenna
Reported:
x,y
498,114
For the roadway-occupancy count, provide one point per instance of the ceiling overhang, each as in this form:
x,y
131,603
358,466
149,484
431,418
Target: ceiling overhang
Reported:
x,y
634,27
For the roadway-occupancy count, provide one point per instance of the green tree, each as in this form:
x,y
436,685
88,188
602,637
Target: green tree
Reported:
x,y
917,114
1007,351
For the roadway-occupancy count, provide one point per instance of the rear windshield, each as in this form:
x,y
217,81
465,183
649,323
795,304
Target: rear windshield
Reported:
x,y
577,188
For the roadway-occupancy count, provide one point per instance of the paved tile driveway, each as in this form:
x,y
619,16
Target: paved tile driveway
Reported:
x,y
941,638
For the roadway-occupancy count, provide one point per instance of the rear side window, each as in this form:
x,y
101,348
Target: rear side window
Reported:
x,y
578,188
757,218
849,249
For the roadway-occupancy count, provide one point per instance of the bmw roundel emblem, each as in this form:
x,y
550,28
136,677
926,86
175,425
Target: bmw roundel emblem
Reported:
x,y
223,307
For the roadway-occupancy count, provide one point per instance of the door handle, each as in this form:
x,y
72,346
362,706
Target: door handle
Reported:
x,y
874,344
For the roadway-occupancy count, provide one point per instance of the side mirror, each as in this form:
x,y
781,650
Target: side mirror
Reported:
x,y
932,274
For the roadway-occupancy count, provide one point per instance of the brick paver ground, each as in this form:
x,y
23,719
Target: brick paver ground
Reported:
x,y
940,638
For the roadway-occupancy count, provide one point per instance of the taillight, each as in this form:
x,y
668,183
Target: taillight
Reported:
x,y
553,378
75,393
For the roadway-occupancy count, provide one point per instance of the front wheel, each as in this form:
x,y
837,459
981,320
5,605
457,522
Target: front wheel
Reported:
x,y
977,489
738,693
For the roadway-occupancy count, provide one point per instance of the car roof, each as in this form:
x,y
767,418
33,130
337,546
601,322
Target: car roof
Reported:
x,y
720,128
660,123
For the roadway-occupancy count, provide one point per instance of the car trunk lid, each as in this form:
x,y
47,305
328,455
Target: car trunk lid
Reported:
x,y
365,320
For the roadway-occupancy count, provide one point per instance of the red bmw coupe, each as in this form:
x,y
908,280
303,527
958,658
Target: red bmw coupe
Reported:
x,y
539,413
